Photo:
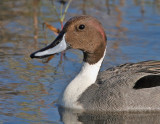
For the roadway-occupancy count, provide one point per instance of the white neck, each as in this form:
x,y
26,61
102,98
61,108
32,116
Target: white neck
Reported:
x,y
79,84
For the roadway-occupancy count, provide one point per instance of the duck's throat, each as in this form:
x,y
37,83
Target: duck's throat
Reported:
x,y
93,58
86,77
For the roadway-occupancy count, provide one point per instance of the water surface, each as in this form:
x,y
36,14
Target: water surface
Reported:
x,y
29,88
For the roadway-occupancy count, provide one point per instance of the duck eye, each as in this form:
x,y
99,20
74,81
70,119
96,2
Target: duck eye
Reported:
x,y
81,27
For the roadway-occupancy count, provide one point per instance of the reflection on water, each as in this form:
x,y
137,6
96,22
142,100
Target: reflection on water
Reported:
x,y
75,117
29,88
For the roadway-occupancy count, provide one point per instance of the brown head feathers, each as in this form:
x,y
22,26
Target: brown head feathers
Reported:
x,y
87,34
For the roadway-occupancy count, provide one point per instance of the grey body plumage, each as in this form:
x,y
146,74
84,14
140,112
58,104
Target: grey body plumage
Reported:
x,y
115,88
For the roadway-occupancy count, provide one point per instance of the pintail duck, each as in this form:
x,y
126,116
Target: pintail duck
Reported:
x,y
132,86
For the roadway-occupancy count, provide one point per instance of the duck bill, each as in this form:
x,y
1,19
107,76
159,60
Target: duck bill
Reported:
x,y
57,46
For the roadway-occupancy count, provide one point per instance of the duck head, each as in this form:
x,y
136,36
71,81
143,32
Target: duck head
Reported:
x,y
81,32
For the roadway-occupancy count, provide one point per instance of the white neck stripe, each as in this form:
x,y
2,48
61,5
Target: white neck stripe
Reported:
x,y
80,83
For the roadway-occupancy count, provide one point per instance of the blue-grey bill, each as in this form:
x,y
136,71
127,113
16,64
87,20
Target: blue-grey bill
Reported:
x,y
57,46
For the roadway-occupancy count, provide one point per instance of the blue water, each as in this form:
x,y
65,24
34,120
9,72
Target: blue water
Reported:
x,y
29,88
